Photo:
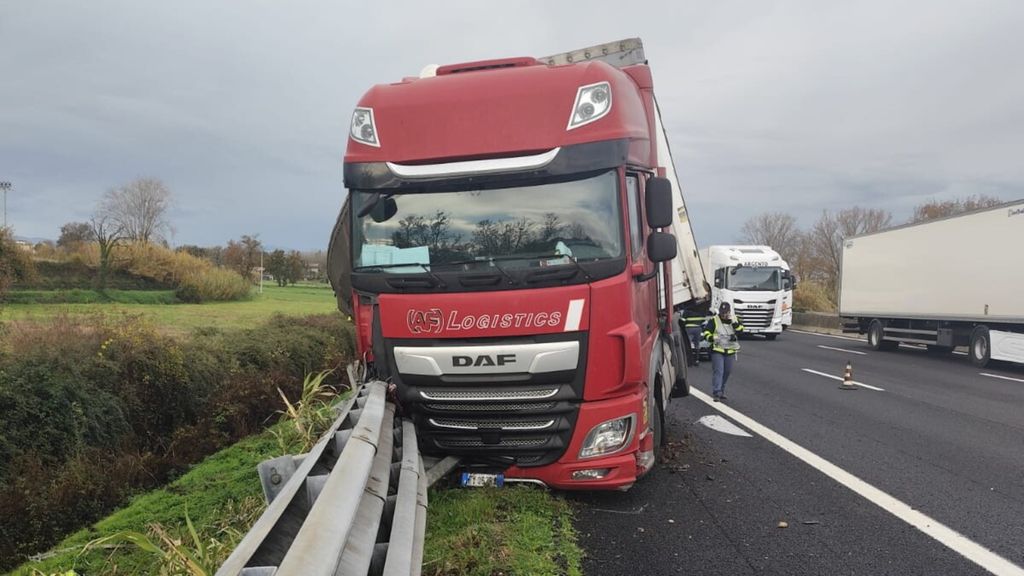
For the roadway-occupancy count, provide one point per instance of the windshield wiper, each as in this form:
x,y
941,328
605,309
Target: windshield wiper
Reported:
x,y
425,267
491,261
572,261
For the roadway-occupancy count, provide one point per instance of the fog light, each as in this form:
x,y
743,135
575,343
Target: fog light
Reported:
x,y
608,437
591,474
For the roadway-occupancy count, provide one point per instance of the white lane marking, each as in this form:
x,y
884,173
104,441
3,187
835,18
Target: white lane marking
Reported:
x,y
719,424
823,335
1000,377
572,318
842,350
950,538
861,384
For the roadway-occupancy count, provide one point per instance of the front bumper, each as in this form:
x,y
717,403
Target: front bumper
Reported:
x,y
622,466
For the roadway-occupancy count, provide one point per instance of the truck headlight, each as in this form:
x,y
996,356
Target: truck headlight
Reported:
x,y
608,437
364,130
592,103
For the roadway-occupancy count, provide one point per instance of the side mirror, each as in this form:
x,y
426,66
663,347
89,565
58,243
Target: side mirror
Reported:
x,y
661,246
658,202
384,210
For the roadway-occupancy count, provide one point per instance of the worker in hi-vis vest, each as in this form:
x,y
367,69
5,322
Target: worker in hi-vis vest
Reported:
x,y
694,325
721,331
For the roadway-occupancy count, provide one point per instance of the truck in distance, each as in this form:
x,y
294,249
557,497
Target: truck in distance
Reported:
x,y
756,282
941,284
510,230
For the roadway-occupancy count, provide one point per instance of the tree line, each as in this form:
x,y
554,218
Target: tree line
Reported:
x,y
137,212
815,254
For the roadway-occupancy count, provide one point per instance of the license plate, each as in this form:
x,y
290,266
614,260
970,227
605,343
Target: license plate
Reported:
x,y
476,479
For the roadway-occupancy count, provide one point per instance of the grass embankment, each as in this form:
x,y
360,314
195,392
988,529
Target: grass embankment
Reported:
x,y
478,532
300,300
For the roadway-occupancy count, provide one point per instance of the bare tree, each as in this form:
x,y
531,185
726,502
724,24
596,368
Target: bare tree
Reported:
x,y
139,208
935,209
825,240
774,229
107,232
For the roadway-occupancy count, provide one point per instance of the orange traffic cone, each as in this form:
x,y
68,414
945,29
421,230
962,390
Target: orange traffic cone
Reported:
x,y
848,378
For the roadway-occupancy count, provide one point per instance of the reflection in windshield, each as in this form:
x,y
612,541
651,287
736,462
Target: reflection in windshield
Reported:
x,y
541,225
754,278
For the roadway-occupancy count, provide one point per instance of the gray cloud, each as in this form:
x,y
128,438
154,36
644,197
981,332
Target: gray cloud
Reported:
x,y
242,108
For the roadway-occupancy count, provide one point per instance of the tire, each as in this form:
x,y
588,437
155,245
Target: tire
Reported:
x,y
981,347
660,438
876,337
770,337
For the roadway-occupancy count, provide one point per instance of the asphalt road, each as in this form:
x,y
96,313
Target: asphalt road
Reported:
x,y
934,433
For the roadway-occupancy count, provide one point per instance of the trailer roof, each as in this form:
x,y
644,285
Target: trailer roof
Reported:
x,y
1003,206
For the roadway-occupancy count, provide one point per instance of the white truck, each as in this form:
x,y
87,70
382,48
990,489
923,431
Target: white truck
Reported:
x,y
944,283
756,282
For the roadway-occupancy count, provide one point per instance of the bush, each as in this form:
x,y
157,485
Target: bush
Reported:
x,y
213,285
15,263
812,297
93,410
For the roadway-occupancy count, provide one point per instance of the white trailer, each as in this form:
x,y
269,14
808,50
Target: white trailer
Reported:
x,y
945,283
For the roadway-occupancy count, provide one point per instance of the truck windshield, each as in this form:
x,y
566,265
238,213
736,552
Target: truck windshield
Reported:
x,y
754,278
507,228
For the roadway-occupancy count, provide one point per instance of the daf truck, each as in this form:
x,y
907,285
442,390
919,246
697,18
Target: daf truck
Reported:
x,y
941,284
757,284
512,251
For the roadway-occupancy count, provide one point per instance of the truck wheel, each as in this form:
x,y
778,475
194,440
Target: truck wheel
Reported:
x,y
770,337
876,337
981,347
660,438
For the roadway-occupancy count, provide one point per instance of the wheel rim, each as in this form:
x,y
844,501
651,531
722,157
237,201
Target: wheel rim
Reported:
x,y
873,337
980,348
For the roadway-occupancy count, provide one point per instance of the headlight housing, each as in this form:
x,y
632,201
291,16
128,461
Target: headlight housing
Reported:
x,y
364,130
608,437
593,102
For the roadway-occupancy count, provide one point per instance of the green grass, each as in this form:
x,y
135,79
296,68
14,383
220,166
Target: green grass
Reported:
x,y
299,300
471,532
514,531
77,296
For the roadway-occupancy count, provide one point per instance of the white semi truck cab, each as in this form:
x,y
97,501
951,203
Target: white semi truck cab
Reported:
x,y
756,282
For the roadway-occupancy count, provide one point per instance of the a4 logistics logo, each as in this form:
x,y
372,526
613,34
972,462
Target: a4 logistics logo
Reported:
x,y
437,321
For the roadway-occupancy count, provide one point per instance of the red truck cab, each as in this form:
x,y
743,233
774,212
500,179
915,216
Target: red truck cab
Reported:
x,y
502,258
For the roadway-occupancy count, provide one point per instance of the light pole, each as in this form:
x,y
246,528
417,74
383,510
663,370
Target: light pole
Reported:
x,y
5,186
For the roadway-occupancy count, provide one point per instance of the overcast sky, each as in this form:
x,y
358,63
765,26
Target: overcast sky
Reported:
x,y
242,107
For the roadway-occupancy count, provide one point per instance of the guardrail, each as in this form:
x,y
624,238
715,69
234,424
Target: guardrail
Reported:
x,y
355,505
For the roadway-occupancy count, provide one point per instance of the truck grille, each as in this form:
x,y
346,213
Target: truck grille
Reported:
x,y
491,424
521,417
755,319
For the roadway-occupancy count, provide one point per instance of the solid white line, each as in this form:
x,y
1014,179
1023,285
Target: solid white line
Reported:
x,y
823,335
1000,377
950,538
842,350
868,386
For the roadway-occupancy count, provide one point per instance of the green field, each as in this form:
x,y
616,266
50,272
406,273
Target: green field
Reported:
x,y
298,300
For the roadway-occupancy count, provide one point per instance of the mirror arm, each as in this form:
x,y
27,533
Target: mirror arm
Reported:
x,y
646,277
